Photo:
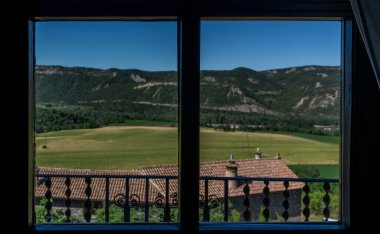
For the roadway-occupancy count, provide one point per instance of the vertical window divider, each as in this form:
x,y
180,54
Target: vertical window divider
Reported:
x,y
345,125
31,116
189,91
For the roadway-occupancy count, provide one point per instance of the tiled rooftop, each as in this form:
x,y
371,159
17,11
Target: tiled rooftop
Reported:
x,y
78,185
262,168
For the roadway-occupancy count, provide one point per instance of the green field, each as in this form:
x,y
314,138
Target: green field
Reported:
x,y
130,147
327,171
320,138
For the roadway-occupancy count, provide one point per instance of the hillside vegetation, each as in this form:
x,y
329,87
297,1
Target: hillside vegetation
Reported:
x,y
290,99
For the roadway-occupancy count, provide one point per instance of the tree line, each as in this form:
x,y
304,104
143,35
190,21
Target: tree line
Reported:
x,y
55,117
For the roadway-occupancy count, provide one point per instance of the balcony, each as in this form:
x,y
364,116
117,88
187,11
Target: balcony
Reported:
x,y
119,198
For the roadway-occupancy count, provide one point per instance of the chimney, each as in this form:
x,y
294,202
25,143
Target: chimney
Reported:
x,y
258,154
231,171
278,156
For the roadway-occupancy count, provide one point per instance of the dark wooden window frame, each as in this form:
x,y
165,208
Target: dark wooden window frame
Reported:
x,y
188,15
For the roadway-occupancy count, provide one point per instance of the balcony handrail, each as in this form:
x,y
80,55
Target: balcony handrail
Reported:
x,y
281,179
108,176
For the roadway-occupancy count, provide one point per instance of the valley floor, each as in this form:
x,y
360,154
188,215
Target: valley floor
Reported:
x,y
130,147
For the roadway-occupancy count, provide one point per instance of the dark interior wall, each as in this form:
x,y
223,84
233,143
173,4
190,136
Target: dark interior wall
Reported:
x,y
365,139
15,120
365,124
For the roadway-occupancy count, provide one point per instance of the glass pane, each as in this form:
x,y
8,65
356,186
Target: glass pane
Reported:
x,y
106,116
270,108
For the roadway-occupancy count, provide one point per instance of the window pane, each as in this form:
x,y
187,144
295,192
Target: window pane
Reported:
x,y
270,108
106,115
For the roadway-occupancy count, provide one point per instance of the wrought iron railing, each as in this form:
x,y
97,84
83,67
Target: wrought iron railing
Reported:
x,y
265,194
167,200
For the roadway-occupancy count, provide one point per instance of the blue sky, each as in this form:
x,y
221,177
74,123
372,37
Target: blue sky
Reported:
x,y
152,46
142,45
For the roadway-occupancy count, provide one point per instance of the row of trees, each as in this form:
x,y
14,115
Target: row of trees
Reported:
x,y
255,122
54,118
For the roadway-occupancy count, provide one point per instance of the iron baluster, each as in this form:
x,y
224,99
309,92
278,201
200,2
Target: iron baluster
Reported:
x,y
326,200
174,203
226,201
146,210
123,201
246,203
48,196
127,210
107,208
167,205
206,208
266,201
87,203
285,204
306,201
68,200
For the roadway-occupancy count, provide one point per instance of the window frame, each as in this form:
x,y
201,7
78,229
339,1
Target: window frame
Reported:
x,y
189,15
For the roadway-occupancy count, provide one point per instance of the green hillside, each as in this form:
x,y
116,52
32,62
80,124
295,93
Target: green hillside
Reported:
x,y
290,99
268,92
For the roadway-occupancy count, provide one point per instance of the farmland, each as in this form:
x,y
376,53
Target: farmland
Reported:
x,y
130,147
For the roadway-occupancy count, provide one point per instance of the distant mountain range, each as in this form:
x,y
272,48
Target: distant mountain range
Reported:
x,y
306,90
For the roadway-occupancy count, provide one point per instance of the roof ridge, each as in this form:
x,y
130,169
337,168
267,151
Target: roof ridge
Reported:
x,y
142,168
205,163
237,160
86,169
154,166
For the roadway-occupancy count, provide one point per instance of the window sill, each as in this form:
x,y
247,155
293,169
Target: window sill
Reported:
x,y
106,227
317,226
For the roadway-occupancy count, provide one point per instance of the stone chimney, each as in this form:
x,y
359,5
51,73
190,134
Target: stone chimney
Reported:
x,y
278,156
231,171
258,154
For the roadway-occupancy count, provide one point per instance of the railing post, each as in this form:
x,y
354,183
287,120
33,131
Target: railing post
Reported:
x,y
48,196
127,211
146,210
68,200
306,201
107,210
167,205
326,200
87,203
246,203
226,201
285,204
266,201
206,208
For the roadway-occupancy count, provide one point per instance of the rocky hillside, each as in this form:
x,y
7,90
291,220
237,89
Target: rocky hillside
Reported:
x,y
307,90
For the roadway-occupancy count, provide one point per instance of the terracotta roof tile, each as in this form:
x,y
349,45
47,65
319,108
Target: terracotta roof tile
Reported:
x,y
78,185
262,168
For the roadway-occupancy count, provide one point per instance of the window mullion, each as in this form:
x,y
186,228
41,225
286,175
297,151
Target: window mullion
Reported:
x,y
347,44
31,117
189,122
